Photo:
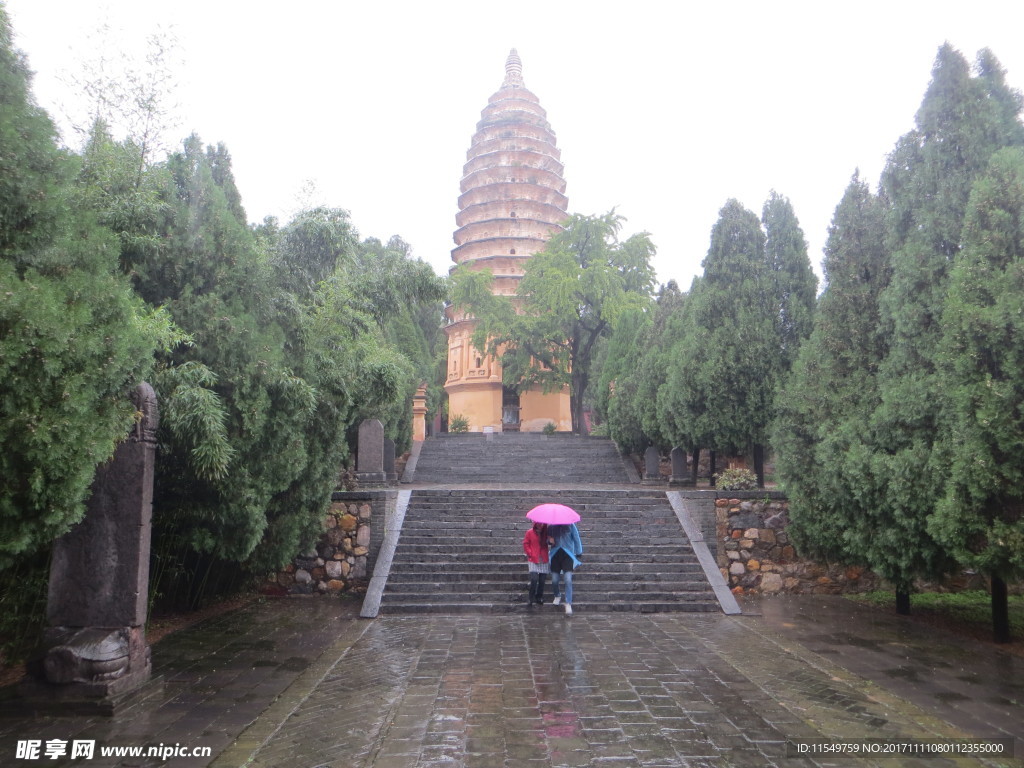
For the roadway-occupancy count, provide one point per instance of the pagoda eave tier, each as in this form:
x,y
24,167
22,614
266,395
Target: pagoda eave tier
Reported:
x,y
513,175
517,228
503,264
512,143
527,210
512,159
521,247
508,191
509,129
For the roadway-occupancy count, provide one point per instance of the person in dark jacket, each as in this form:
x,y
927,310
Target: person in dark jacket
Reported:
x,y
565,548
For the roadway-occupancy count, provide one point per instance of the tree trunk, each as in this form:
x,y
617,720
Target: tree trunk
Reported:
x,y
1000,611
903,602
711,470
696,464
759,464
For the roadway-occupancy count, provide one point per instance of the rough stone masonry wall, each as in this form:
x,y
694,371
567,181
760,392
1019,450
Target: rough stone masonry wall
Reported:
x,y
755,554
341,559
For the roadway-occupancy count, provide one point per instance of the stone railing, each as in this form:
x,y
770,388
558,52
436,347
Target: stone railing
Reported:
x,y
755,554
342,559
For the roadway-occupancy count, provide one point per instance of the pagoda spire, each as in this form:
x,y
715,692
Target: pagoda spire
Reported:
x,y
513,70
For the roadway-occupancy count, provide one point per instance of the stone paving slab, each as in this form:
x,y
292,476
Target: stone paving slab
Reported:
x,y
304,683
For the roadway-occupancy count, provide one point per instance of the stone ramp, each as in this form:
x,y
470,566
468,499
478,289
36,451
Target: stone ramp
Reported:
x,y
460,551
520,457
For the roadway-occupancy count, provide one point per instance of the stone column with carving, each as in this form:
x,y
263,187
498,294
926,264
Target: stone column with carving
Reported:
x,y
95,645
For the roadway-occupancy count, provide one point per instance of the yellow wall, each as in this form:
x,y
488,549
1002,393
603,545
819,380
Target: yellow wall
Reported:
x,y
537,410
480,405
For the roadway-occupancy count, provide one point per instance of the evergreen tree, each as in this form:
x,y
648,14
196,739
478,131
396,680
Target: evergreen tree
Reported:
x,y
74,340
962,121
732,329
794,283
237,408
824,405
980,516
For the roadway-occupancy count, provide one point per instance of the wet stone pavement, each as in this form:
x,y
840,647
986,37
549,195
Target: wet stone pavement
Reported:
x,y
305,683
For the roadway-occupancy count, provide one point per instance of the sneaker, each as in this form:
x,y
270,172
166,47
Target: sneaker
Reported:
x,y
556,601
568,609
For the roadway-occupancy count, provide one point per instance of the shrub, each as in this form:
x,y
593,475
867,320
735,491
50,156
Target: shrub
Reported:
x,y
549,428
735,479
458,423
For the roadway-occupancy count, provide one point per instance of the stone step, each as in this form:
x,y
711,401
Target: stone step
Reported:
x,y
673,583
459,606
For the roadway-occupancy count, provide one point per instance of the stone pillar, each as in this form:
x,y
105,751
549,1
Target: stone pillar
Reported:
x,y
679,474
95,650
652,465
419,414
370,453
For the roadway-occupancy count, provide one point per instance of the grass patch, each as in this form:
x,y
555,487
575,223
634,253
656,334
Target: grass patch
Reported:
x,y
967,611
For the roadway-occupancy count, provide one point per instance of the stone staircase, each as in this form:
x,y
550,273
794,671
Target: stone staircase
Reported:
x,y
460,551
519,457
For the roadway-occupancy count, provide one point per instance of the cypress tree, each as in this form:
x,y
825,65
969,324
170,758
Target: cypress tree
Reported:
x,y
74,340
825,403
795,286
980,515
962,121
723,372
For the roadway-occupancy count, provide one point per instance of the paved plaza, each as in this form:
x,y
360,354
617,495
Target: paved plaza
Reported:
x,y
306,683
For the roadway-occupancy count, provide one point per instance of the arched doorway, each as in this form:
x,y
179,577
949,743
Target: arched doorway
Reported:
x,y
509,410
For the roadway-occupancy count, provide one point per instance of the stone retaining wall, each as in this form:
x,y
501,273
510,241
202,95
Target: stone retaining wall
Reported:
x,y
755,554
342,559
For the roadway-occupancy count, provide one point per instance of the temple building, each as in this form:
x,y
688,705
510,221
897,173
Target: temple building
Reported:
x,y
512,200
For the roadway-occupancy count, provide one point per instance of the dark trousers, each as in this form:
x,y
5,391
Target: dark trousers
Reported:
x,y
537,587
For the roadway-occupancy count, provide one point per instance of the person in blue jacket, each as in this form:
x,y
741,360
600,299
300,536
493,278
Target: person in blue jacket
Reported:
x,y
564,549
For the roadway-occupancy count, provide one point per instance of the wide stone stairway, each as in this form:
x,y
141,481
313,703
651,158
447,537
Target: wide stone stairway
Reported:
x,y
519,457
456,546
461,551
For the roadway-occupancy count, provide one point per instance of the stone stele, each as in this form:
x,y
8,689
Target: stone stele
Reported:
x,y
94,649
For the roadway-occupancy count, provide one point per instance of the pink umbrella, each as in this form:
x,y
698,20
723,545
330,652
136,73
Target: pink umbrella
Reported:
x,y
553,514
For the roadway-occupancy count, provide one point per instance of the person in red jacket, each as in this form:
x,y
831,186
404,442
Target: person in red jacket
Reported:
x,y
535,547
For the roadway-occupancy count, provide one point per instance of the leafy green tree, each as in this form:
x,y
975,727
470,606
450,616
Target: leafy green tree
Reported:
x,y
634,370
980,515
74,340
405,297
570,296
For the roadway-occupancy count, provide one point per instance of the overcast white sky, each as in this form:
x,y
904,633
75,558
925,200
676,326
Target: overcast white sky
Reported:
x,y
662,110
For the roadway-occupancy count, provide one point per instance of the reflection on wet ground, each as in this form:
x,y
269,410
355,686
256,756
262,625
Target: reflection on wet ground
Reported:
x,y
305,683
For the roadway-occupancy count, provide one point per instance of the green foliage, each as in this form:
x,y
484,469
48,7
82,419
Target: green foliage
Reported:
x,y
550,428
794,283
571,295
723,368
962,121
74,340
980,516
824,404
735,479
458,423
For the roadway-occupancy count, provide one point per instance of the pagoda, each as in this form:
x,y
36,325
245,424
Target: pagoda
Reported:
x,y
512,200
